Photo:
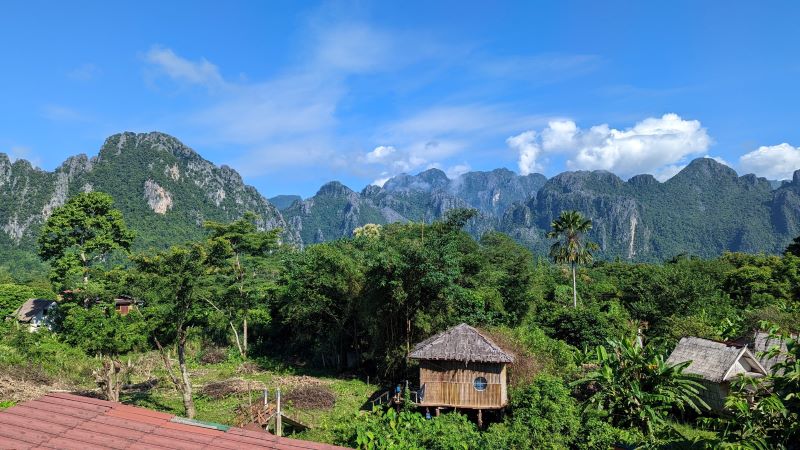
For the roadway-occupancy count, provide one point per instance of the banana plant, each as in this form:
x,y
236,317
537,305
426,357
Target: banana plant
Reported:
x,y
634,386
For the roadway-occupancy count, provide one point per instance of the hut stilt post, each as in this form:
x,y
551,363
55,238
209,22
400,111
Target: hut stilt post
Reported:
x,y
278,422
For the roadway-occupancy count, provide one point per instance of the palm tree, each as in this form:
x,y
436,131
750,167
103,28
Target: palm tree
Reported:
x,y
570,248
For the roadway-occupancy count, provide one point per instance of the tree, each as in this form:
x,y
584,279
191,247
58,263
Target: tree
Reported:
x,y
250,273
570,247
82,232
176,282
794,247
98,329
319,305
507,271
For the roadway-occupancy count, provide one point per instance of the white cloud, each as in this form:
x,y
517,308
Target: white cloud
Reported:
x,y
180,69
529,150
457,170
663,174
259,113
433,136
776,162
380,153
289,119
391,161
381,181
654,145
298,117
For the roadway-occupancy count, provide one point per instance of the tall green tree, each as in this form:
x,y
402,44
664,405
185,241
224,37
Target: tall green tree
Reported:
x,y
81,233
507,274
319,308
571,246
794,247
77,238
249,275
98,329
177,283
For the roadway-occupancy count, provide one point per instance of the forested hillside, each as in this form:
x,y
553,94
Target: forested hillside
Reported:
x,y
164,189
704,210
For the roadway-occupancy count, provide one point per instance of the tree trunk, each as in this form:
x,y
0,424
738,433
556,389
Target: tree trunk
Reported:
x,y
108,379
244,335
112,375
188,402
574,288
242,350
85,263
168,365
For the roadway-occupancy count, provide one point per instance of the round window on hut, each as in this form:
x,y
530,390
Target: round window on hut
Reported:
x,y
480,384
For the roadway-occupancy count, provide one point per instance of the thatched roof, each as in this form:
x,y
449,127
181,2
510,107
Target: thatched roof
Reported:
x,y
460,343
31,308
711,360
762,342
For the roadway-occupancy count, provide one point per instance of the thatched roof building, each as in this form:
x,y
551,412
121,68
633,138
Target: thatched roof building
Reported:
x,y
460,343
717,364
462,368
761,342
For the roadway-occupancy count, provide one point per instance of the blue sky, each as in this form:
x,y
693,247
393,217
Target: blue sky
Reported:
x,y
294,94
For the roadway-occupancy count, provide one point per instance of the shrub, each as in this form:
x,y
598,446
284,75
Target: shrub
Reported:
x,y
407,431
545,412
588,326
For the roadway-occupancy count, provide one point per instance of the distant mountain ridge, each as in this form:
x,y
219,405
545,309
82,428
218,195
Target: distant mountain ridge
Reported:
x,y
166,191
703,210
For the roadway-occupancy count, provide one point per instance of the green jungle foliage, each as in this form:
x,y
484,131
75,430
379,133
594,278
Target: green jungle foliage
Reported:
x,y
12,296
355,306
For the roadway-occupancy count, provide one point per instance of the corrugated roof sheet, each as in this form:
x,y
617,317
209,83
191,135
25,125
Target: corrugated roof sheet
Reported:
x,y
65,421
711,360
460,343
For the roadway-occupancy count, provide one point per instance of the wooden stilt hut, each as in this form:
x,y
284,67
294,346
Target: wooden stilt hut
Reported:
x,y
461,368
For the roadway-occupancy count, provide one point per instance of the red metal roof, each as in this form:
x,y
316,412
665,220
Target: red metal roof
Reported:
x,y
66,421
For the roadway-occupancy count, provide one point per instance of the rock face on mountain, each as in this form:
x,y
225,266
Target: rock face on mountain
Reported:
x,y
335,211
703,210
164,189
